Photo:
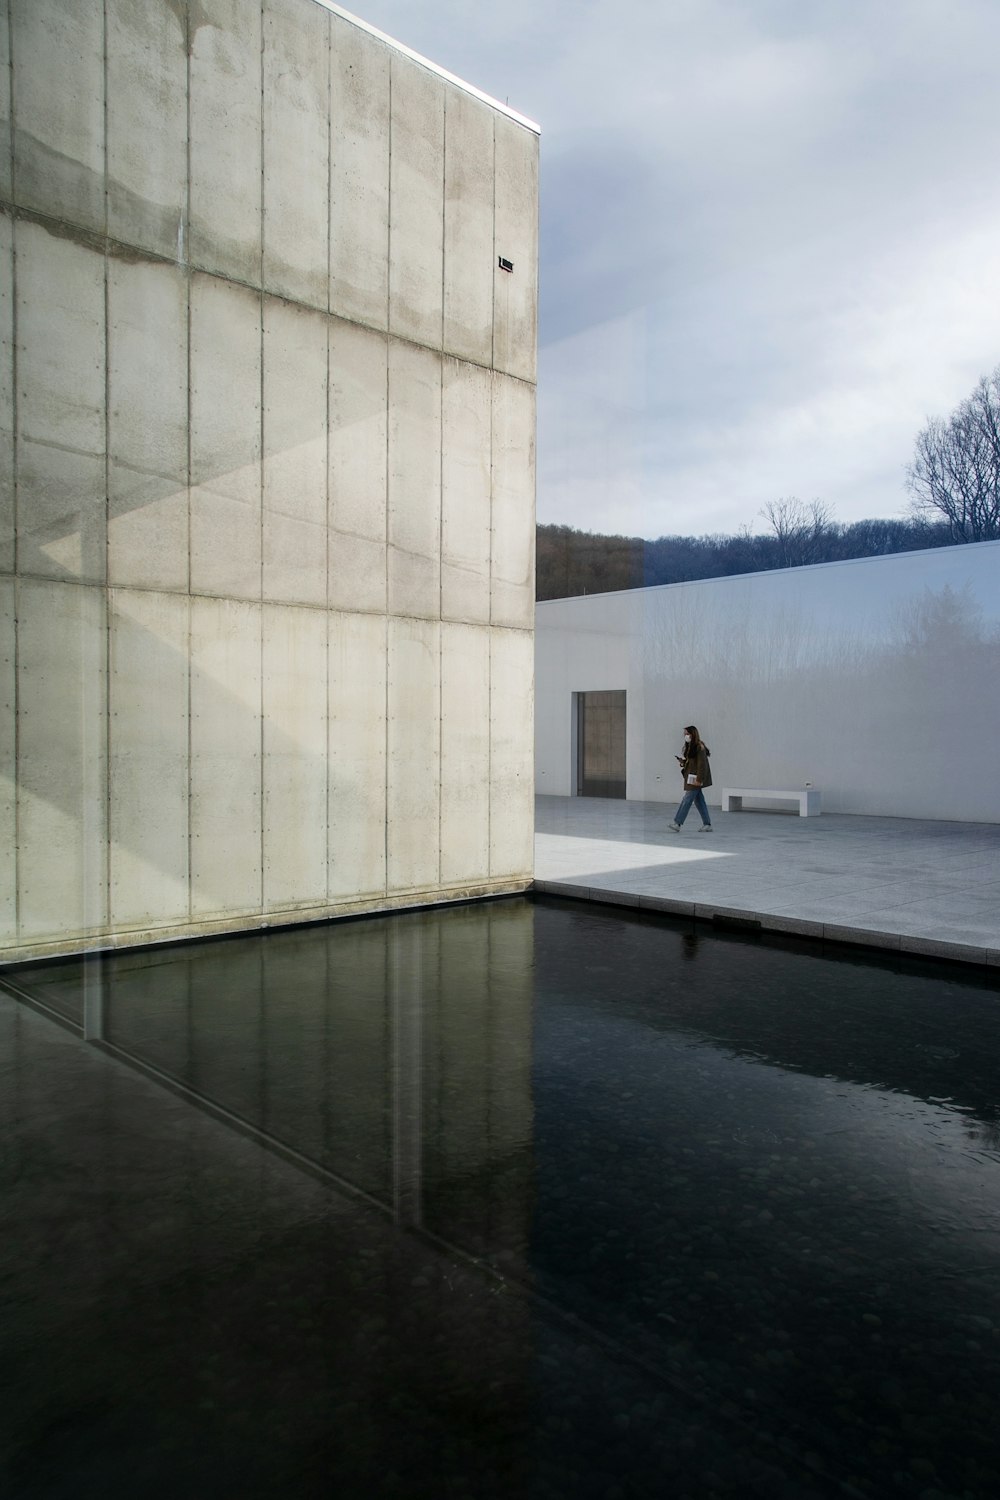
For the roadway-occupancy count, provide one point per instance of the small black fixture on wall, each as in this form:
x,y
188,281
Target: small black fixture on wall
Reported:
x,y
506,265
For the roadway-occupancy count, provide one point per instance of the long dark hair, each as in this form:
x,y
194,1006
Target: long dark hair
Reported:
x,y
692,730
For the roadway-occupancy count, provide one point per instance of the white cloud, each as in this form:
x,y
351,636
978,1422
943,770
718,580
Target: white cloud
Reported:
x,y
769,240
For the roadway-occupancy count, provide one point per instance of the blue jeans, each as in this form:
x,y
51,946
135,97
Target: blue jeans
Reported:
x,y
694,796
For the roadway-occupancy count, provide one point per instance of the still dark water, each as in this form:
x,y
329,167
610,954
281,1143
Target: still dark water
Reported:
x,y
518,1199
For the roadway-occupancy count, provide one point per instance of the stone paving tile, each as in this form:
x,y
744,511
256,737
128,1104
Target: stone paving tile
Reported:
x,y
954,905
886,879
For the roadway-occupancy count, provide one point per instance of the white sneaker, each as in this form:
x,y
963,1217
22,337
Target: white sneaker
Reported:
x,y
675,828
705,828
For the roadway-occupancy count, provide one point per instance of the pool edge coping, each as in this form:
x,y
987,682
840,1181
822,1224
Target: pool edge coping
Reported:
x,y
743,918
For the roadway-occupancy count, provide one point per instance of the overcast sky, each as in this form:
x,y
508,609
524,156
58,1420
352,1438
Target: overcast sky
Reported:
x,y
770,240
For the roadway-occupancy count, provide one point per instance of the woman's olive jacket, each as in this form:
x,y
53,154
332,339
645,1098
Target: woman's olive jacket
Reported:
x,y
695,763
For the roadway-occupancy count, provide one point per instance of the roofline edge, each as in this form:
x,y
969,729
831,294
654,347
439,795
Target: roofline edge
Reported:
x,y
425,62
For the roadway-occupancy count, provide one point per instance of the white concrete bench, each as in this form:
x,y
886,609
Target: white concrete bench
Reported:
x,y
809,798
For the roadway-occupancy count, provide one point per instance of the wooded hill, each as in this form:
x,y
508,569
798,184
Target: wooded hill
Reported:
x,y
573,562
954,482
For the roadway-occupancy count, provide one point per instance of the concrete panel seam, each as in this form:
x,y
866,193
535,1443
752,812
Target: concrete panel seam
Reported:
x,y
493,302
14,478
109,245
489,610
185,227
92,239
263,234
388,434
440,485
104,104
108,825
12,112
329,212
489,749
444,197
185,237
326,538
388,199
17,759
15,435
154,588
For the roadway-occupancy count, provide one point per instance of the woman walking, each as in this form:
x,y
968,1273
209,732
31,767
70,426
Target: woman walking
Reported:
x,y
697,775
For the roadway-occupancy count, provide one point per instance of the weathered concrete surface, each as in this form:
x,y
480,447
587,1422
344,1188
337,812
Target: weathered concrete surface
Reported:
x,y
358,437
414,515
512,705
296,150
294,750
226,135
465,492
62,761
148,685
513,542
58,93
295,457
468,229
147,425
225,439
357,756
412,746
147,125
266,475
416,189
5,151
359,175
465,751
225,780
8,750
62,518
6,394
515,299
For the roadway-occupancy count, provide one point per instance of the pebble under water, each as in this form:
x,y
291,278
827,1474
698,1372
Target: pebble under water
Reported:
x,y
522,1198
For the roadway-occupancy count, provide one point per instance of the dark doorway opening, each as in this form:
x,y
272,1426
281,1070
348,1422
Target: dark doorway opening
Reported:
x,y
600,743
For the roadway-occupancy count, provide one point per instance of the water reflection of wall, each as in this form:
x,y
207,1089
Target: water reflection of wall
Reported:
x,y
871,679
284,1336
393,1054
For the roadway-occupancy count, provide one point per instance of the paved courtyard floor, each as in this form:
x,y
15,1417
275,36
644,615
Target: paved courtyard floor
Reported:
x,y
908,884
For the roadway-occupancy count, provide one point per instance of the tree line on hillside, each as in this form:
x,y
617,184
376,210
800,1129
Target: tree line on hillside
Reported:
x,y
954,483
570,562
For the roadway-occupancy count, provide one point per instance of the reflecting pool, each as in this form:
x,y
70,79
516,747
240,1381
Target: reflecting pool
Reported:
x,y
521,1198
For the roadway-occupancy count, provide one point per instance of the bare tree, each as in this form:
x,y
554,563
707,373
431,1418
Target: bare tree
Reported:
x,y
956,468
802,532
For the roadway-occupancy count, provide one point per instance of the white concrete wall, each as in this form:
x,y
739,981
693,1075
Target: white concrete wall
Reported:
x,y
876,680
266,473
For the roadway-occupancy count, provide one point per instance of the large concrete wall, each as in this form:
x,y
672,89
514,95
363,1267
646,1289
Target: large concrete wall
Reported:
x,y
266,473
876,680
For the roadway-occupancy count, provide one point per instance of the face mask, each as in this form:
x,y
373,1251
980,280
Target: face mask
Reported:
x,y
687,739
